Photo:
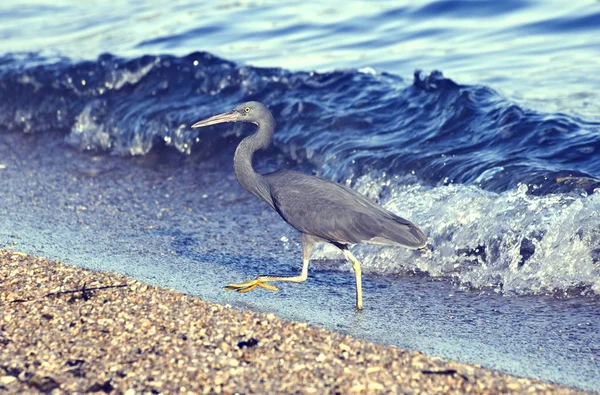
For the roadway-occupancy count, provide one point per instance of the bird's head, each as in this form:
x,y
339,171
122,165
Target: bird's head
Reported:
x,y
252,112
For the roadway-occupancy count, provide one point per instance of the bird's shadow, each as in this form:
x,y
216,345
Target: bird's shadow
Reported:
x,y
188,246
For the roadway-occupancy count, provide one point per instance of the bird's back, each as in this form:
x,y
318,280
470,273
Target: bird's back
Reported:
x,y
337,213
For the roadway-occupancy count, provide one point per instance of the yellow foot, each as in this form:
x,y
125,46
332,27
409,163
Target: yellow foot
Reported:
x,y
250,285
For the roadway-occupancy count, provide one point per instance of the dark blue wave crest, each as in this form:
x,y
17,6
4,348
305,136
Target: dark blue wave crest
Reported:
x,y
347,122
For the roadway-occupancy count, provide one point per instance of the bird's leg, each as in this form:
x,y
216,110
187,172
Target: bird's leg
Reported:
x,y
358,274
260,281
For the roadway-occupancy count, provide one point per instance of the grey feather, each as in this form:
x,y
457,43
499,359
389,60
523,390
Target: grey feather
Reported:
x,y
313,205
336,213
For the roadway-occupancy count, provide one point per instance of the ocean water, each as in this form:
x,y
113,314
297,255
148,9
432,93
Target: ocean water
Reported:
x,y
477,120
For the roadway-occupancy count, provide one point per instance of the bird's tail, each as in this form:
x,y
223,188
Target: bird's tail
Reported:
x,y
400,232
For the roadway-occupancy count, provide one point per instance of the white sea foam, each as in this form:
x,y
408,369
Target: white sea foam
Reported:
x,y
514,242
123,76
87,133
90,133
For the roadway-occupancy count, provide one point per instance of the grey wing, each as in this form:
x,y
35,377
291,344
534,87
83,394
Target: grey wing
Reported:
x,y
338,214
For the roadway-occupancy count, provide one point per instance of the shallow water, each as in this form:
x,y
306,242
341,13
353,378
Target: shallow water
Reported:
x,y
496,159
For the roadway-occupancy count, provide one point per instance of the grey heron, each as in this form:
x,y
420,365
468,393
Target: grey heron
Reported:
x,y
321,210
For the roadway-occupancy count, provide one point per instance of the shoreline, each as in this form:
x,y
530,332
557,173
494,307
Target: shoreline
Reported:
x,y
71,330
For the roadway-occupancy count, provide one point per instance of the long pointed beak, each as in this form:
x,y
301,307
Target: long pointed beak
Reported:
x,y
230,116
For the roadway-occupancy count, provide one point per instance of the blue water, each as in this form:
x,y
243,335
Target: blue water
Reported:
x,y
493,148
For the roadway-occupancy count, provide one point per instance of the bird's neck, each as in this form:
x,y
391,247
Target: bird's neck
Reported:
x,y
252,181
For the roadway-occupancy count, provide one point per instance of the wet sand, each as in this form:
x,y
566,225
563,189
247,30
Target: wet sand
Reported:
x,y
69,330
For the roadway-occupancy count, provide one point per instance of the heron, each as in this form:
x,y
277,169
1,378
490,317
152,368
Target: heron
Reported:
x,y
321,210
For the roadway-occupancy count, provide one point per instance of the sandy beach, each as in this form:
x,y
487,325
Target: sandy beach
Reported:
x,y
70,330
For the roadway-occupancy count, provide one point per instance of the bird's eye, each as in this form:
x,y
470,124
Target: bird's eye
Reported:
x,y
247,110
